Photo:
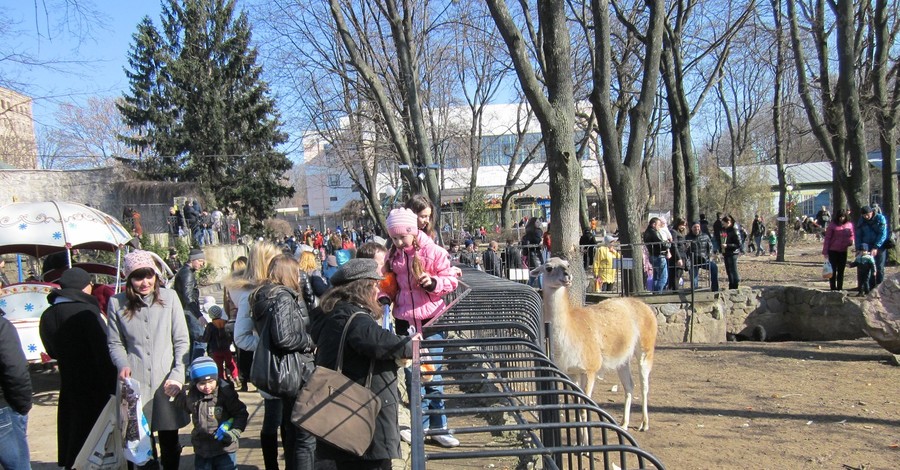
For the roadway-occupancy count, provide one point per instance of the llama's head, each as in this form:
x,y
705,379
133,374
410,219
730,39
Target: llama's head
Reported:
x,y
555,273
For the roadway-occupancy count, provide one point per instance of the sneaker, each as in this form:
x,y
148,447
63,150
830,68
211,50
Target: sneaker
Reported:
x,y
445,440
406,435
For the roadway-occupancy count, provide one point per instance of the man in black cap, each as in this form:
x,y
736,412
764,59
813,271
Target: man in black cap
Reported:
x,y
73,333
189,293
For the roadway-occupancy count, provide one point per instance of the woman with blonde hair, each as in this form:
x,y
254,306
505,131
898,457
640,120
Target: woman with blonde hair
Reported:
x,y
281,319
312,283
246,339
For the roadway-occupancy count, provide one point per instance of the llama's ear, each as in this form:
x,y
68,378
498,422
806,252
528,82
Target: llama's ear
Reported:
x,y
537,271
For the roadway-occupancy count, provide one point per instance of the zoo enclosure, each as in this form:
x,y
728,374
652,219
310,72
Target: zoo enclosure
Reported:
x,y
502,389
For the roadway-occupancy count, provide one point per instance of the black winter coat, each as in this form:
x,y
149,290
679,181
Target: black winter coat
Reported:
x,y
282,321
189,294
15,382
491,261
366,340
531,243
74,334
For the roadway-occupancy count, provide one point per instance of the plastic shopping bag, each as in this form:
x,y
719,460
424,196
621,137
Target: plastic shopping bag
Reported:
x,y
827,270
103,449
138,446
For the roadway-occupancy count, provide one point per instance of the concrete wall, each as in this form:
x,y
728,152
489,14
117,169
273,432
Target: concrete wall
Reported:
x,y
794,313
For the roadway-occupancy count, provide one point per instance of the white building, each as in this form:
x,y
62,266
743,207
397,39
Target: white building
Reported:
x,y
330,187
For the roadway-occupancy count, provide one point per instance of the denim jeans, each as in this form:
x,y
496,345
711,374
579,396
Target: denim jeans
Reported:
x,y
759,248
880,259
731,269
434,421
713,275
300,445
227,461
660,272
13,443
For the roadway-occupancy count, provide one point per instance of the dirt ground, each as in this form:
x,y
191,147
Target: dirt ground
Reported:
x,y
797,405
821,405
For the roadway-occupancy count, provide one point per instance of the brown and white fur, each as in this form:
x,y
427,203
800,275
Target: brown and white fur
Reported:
x,y
588,340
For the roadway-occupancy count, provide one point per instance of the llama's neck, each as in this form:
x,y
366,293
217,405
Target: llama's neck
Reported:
x,y
557,310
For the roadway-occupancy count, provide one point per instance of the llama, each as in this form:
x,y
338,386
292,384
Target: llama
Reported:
x,y
588,340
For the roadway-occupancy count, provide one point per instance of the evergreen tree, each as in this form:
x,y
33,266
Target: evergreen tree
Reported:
x,y
203,111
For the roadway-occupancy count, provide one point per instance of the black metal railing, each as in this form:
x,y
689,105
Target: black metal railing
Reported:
x,y
505,399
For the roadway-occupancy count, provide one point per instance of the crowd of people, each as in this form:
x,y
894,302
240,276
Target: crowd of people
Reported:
x,y
289,300
280,303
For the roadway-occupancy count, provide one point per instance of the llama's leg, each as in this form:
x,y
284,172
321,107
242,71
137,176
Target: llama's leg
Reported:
x,y
589,379
645,364
628,384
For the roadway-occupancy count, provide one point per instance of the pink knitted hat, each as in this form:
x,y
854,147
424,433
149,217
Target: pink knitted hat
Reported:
x,y
402,222
139,259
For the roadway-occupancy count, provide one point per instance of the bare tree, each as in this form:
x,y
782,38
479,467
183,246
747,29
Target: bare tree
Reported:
x,y
86,136
624,163
886,101
834,96
549,91
709,27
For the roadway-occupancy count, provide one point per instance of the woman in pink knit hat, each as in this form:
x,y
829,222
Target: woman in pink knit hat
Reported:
x,y
148,341
423,275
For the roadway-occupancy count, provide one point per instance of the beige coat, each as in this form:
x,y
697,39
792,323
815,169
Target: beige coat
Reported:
x,y
154,344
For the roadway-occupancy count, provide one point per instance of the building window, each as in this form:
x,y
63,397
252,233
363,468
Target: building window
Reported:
x,y
334,180
333,199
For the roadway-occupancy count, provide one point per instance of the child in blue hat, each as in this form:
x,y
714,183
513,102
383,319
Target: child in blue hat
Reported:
x,y
218,415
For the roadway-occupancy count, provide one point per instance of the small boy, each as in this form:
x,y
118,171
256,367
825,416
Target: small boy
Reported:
x,y
218,345
212,403
773,242
865,270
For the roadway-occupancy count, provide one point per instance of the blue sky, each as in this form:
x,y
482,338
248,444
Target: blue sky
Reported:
x,y
97,58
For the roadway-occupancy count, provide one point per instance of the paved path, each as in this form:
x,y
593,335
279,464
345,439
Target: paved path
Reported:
x,y
42,429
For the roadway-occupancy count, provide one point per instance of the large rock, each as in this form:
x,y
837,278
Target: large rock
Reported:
x,y
881,314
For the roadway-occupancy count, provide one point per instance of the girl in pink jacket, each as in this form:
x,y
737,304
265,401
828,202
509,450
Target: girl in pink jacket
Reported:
x,y
423,275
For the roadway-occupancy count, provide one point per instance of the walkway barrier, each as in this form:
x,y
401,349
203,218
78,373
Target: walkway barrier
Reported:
x,y
505,400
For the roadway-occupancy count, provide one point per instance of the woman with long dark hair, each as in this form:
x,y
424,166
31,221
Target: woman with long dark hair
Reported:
x,y
839,237
730,241
356,287
424,210
148,341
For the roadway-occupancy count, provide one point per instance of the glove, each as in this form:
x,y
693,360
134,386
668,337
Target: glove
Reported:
x,y
232,435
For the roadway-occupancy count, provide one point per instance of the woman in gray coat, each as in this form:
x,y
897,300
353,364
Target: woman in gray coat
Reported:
x,y
148,341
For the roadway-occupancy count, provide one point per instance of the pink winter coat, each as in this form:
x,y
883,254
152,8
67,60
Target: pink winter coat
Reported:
x,y
413,302
838,237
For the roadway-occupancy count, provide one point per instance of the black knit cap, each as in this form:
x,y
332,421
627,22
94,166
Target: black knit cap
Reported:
x,y
74,278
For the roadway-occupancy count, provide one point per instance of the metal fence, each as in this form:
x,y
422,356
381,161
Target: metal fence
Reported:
x,y
505,400
696,273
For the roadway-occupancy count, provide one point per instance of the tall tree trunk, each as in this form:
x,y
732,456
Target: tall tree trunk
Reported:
x,y
886,113
858,189
678,199
777,127
556,114
624,173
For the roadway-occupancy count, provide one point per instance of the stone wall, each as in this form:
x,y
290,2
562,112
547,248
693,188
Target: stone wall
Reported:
x,y
108,189
794,313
